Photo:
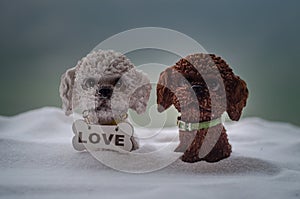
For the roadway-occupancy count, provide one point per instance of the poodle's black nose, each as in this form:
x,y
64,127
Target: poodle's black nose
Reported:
x,y
105,92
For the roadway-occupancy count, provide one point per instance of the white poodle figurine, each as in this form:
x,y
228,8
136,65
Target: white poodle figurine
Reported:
x,y
103,86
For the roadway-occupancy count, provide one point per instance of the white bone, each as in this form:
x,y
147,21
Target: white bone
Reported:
x,y
97,137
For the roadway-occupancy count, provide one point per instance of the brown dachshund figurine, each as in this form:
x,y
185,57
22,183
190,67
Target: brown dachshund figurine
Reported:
x,y
202,87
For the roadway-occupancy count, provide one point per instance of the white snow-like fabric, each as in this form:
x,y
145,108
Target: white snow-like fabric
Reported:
x,y
38,161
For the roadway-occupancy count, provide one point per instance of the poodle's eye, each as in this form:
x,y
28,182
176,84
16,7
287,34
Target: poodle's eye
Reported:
x,y
89,83
213,84
120,85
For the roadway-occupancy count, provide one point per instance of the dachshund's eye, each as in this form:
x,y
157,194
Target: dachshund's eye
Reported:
x,y
197,88
213,84
89,83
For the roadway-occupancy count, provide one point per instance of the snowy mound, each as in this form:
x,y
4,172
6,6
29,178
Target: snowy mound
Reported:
x,y
38,161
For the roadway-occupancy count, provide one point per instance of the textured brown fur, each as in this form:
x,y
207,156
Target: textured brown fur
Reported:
x,y
202,87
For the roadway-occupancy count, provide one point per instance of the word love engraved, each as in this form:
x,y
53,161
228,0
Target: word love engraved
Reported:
x,y
96,137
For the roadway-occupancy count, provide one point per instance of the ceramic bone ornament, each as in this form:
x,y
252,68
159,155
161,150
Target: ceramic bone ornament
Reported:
x,y
102,87
94,137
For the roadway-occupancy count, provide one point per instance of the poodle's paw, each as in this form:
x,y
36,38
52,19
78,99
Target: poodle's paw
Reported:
x,y
135,144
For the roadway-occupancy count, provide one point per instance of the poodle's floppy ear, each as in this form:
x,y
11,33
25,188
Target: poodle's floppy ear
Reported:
x,y
66,89
140,97
163,92
237,94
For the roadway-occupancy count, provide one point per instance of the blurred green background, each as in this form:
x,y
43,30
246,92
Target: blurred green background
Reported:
x,y
259,39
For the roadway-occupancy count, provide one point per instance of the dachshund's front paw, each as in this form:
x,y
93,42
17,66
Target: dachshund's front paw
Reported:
x,y
218,154
189,159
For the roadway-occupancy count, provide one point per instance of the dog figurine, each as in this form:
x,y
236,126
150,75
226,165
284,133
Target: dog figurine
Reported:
x,y
103,86
202,87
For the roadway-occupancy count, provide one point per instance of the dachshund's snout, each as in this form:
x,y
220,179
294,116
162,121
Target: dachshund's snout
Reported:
x,y
105,92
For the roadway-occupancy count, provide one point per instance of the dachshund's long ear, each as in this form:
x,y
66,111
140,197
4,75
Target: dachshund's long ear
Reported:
x,y
163,92
140,97
66,90
237,94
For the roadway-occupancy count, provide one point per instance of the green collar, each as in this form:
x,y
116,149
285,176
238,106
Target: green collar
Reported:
x,y
184,126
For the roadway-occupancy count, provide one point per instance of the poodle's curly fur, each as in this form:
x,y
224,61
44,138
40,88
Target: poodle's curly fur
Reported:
x,y
202,87
107,68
